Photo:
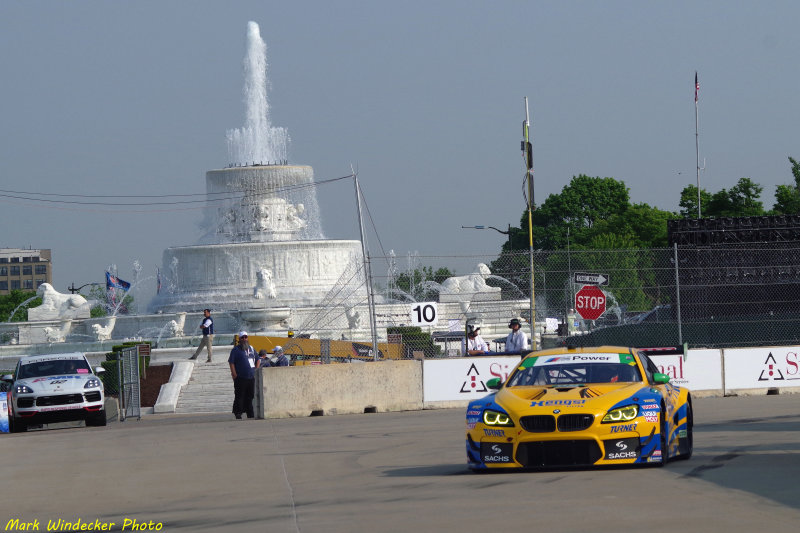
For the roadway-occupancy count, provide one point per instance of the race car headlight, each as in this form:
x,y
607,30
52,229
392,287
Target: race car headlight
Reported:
x,y
621,414
22,389
92,383
496,418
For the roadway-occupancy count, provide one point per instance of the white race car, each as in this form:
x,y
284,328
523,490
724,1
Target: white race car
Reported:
x,y
54,388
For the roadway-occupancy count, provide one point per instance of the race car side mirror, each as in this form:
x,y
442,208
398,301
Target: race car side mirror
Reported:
x,y
99,369
660,378
7,377
494,384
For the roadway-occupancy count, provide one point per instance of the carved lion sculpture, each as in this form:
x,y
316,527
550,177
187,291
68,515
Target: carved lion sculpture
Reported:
x,y
265,288
475,282
64,304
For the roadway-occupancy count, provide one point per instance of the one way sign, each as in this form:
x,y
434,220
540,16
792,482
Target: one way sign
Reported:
x,y
591,279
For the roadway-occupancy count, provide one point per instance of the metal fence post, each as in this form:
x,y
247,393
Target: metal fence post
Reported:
x,y
677,293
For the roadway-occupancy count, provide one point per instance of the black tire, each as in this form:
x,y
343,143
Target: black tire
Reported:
x,y
97,420
15,426
687,444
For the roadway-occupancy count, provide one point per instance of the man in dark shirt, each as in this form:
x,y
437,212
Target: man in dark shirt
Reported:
x,y
243,363
207,325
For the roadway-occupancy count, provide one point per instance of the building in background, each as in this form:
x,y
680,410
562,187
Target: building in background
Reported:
x,y
24,269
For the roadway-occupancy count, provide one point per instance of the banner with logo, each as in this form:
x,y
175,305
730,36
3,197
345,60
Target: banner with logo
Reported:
x,y
757,368
699,370
3,412
463,378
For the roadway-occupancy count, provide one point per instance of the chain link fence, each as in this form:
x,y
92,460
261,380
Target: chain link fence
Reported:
x,y
703,296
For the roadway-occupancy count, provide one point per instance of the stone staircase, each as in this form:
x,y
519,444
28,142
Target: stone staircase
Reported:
x,y
210,389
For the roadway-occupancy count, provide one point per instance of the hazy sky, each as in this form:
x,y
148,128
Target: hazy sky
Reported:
x,y
424,98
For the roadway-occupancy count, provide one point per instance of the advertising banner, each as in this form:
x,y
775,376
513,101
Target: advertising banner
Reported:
x,y
700,370
463,378
3,412
757,368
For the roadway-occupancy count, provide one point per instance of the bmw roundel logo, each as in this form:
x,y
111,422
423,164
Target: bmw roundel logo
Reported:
x,y
556,411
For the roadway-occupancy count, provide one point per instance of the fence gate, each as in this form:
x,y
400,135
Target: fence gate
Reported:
x,y
130,393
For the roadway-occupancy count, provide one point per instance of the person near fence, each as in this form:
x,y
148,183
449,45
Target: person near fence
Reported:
x,y
207,325
243,364
474,343
263,359
517,340
279,357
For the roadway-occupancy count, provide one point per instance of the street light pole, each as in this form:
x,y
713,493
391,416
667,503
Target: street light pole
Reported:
x,y
508,232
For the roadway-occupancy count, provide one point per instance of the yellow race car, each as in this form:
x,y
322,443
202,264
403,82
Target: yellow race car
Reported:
x,y
577,407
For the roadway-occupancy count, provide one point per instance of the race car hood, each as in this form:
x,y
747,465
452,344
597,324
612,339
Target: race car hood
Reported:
x,y
593,397
57,384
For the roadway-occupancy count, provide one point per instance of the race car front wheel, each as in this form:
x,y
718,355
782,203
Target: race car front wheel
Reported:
x,y
16,425
686,443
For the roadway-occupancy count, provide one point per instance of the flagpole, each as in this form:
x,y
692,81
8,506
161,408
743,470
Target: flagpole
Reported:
x,y
527,150
697,139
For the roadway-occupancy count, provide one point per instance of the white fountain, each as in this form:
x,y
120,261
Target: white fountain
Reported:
x,y
263,252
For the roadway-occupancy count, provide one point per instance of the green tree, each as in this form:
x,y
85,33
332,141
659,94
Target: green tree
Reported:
x,y
9,302
741,200
688,201
574,212
641,225
104,301
787,197
414,283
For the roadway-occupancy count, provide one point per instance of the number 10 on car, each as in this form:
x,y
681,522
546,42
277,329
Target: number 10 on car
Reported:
x,y
424,314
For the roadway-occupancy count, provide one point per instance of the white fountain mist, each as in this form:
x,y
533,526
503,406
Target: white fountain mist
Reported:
x,y
263,246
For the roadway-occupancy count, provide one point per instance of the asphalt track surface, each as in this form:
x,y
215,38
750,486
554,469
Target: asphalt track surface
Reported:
x,y
395,472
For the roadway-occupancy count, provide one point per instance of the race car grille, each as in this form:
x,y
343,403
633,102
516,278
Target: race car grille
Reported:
x,y
24,403
574,422
538,423
558,453
61,399
93,396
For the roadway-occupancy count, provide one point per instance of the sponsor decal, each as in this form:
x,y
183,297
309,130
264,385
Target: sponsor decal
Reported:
x,y
494,432
473,412
48,378
622,455
499,452
59,408
623,427
563,403
656,453
472,420
470,425
82,371
682,434
651,418
648,400
472,383
585,358
649,407
621,449
771,372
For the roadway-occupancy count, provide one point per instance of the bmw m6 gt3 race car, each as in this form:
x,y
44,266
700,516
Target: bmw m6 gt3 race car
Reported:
x,y
54,388
577,407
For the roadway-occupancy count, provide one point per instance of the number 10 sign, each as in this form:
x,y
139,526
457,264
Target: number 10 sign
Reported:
x,y
424,314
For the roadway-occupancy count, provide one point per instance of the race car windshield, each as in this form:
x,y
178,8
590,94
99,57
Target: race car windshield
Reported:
x,y
53,367
574,374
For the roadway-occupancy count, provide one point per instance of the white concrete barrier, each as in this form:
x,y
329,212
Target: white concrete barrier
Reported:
x,y
757,370
291,391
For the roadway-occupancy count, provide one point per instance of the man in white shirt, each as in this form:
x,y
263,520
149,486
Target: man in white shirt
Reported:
x,y
474,344
517,340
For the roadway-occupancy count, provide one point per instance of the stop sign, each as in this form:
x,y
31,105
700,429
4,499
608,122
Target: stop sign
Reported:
x,y
590,302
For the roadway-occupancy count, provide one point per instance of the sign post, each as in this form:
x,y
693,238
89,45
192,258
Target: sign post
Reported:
x,y
590,302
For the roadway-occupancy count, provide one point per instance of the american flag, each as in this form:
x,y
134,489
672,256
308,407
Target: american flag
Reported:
x,y
696,86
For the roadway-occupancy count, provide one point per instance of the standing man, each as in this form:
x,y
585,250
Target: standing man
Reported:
x,y
517,340
279,358
207,325
243,363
